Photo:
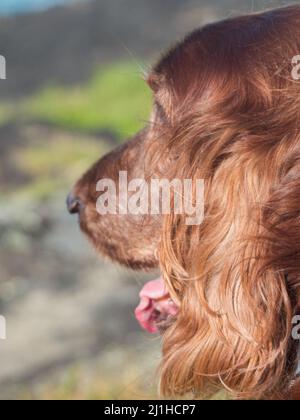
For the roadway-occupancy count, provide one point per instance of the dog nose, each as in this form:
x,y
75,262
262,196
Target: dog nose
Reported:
x,y
73,204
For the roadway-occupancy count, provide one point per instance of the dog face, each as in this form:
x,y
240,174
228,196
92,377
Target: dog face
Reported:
x,y
226,110
130,240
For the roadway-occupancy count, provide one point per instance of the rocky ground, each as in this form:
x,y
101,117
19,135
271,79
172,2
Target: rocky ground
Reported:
x,y
71,332
65,308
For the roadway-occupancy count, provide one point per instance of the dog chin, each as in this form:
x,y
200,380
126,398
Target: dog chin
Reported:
x,y
132,259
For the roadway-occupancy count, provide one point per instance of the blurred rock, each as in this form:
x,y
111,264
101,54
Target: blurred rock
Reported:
x,y
63,305
64,44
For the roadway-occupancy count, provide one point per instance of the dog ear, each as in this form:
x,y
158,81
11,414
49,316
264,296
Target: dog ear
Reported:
x,y
236,279
164,95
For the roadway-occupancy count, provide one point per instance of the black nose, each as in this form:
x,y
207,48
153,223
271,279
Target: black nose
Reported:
x,y
73,204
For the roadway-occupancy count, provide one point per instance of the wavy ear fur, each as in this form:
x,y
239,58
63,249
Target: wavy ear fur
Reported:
x,y
236,279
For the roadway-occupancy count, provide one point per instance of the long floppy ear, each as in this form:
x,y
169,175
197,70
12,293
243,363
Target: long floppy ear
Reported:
x,y
237,276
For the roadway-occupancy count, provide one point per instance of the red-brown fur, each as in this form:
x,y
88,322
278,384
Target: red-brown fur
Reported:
x,y
226,110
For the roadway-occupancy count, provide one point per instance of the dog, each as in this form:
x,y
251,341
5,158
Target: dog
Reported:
x,y
226,109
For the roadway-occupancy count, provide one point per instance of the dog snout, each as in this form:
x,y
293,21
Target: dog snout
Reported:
x,y
74,204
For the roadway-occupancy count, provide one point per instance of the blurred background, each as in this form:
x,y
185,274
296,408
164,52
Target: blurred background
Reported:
x,y
73,92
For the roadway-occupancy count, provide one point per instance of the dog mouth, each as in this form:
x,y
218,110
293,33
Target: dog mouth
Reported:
x,y
156,309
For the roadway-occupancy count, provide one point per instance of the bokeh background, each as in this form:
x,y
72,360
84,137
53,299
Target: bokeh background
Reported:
x,y
74,91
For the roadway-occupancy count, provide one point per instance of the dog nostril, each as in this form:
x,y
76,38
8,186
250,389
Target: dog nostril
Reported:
x,y
73,204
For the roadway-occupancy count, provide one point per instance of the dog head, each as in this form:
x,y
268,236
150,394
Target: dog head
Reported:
x,y
226,110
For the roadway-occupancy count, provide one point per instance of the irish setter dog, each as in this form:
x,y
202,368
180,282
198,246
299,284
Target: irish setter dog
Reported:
x,y
226,109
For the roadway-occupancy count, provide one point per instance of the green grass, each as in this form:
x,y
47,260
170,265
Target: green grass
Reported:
x,y
115,99
76,384
6,113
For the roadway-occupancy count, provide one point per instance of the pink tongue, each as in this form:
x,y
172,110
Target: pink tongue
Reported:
x,y
155,306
